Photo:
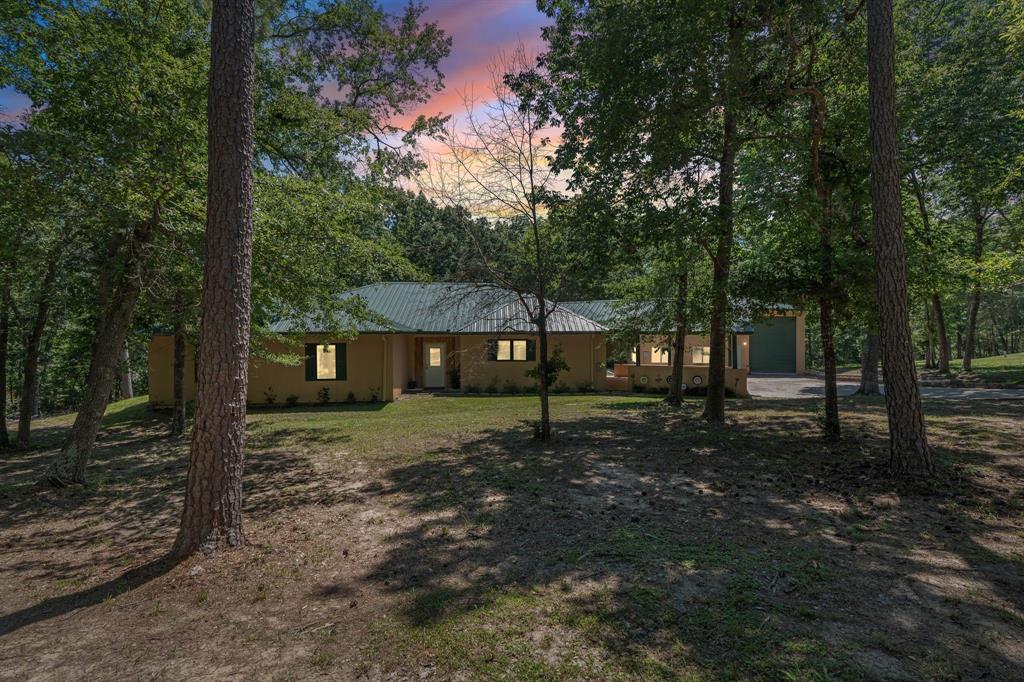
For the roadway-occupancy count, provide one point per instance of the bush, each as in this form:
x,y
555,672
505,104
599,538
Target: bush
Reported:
x,y
510,387
350,398
324,395
585,387
291,401
269,396
493,386
531,388
471,388
560,388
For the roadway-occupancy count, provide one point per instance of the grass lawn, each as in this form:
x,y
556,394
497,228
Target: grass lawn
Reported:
x,y
1002,368
432,538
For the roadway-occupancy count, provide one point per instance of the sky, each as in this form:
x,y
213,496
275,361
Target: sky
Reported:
x,y
480,29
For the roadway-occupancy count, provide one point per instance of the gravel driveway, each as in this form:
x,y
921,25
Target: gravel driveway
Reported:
x,y
793,386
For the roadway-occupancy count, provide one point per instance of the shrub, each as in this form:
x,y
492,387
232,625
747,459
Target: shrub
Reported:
x,y
584,387
560,388
269,396
324,395
510,387
350,398
493,386
471,388
531,388
291,401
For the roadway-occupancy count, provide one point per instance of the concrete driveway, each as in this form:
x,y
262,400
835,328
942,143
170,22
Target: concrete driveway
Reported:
x,y
794,386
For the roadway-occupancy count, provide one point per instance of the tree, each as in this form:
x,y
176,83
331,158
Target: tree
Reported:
x,y
213,498
908,443
498,168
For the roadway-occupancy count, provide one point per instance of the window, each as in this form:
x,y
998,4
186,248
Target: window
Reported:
x,y
435,356
659,356
511,350
701,355
326,362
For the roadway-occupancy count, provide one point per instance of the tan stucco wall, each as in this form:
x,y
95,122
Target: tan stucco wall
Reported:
x,y
584,353
369,360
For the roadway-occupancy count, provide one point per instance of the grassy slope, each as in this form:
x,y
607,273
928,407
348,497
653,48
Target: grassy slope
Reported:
x,y
1001,368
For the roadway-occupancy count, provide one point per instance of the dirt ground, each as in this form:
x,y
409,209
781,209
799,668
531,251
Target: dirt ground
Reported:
x,y
433,539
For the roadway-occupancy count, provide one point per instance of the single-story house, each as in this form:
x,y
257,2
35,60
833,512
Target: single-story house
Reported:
x,y
473,338
421,335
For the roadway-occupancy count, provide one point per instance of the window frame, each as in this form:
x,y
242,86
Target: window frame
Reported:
x,y
530,350
340,361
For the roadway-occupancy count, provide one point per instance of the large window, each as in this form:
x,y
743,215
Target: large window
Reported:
x,y
701,355
326,362
659,356
511,350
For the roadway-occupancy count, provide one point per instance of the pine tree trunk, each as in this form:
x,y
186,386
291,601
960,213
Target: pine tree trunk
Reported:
x,y
178,413
929,338
975,301
111,330
908,444
943,334
714,405
212,516
30,376
675,396
126,373
869,384
828,352
5,328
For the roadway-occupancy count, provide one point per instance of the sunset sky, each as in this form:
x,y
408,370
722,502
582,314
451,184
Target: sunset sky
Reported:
x,y
479,29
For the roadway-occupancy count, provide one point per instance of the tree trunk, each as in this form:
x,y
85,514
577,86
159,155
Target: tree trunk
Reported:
x,y
959,343
178,414
212,516
828,351
943,334
929,338
714,405
908,444
544,385
975,300
126,373
5,327
869,365
111,330
675,396
30,376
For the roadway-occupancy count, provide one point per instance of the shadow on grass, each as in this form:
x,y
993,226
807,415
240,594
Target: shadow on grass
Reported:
x,y
750,550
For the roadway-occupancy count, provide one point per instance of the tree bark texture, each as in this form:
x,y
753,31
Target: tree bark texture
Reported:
x,y
974,303
212,516
5,328
111,330
33,340
908,444
675,395
869,384
178,411
943,334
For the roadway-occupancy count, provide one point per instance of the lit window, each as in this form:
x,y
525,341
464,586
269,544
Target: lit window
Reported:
x,y
659,356
519,349
326,362
435,357
632,355
504,350
511,350
701,355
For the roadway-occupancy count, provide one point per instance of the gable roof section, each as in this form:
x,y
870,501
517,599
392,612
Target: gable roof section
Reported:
x,y
442,308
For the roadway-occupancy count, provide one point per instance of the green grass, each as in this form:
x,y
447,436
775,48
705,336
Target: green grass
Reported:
x,y
1002,368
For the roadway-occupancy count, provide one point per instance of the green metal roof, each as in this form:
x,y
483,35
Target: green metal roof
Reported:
x,y
442,308
610,311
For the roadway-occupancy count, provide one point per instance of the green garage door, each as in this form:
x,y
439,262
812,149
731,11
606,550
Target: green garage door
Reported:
x,y
773,345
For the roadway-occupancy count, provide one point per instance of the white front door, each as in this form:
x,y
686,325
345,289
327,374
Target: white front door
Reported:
x,y
434,361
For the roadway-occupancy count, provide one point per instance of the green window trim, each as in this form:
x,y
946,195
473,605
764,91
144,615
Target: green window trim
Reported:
x,y
341,362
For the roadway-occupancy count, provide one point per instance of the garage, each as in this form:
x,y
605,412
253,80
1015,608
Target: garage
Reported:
x,y
773,345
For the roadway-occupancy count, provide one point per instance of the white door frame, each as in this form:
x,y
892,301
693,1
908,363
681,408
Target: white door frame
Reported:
x,y
441,370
